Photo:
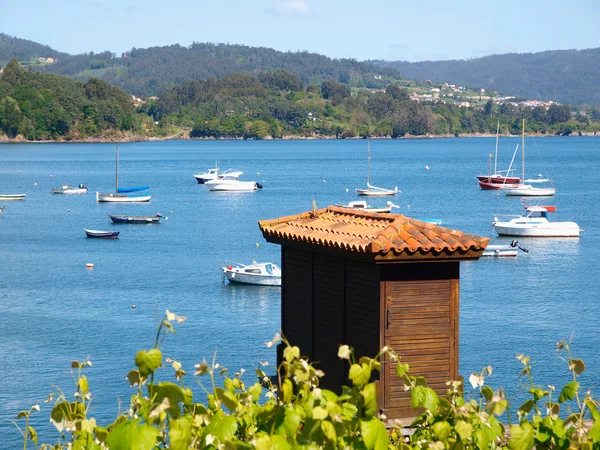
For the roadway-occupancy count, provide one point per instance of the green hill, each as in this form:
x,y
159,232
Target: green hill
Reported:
x,y
24,50
565,76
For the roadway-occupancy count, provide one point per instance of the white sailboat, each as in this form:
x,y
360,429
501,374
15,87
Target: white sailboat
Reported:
x,y
120,198
374,191
523,189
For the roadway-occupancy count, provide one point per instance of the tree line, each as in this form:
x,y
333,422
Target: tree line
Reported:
x,y
272,104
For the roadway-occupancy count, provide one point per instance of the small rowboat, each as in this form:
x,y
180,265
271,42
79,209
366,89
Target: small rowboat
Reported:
x,y
135,219
101,234
12,196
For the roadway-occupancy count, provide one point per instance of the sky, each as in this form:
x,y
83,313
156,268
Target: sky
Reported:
x,y
361,29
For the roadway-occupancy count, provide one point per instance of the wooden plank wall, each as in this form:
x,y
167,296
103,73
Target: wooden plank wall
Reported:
x,y
328,318
362,308
421,324
296,298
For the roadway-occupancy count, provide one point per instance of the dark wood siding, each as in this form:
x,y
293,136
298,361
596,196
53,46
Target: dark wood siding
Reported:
x,y
328,318
420,325
296,298
362,308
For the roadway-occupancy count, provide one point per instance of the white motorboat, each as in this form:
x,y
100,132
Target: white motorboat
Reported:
x,y
503,250
362,205
264,274
231,183
12,196
534,223
81,189
212,174
526,190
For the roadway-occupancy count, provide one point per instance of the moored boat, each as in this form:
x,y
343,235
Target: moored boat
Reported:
x,y
117,196
81,189
374,191
231,183
12,196
362,205
503,250
534,223
135,219
263,274
101,234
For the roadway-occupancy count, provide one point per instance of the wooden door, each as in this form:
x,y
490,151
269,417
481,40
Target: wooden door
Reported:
x,y
420,321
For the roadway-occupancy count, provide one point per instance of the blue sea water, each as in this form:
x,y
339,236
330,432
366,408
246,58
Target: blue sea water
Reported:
x,y
53,310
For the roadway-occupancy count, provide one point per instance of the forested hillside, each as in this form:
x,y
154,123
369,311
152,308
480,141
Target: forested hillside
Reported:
x,y
565,76
24,50
46,106
144,72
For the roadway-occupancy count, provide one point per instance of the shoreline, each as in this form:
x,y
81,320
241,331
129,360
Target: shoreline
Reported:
x,y
184,136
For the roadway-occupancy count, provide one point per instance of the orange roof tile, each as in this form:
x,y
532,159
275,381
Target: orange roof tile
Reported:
x,y
392,235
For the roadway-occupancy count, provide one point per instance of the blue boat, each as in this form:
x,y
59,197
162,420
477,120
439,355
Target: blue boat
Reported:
x,y
101,234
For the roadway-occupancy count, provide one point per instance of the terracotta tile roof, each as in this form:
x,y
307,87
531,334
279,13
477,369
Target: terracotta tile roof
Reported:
x,y
373,233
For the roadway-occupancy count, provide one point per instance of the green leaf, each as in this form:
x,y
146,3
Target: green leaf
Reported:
x,y
487,392
360,374
228,398
329,431
64,413
158,392
32,434
521,437
578,366
223,428
292,421
568,392
369,395
593,409
82,384
442,430
526,407
319,413
129,435
291,353
374,434
255,391
180,434
424,396
463,429
481,440
594,432
134,377
279,443
287,391
401,369
148,361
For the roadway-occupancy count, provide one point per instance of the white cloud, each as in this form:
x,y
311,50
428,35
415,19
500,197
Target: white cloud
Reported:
x,y
291,8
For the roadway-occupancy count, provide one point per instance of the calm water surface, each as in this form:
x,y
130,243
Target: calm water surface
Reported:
x,y
53,310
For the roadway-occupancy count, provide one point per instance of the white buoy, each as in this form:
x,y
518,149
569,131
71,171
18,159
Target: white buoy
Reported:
x,y
132,306
426,167
257,244
35,184
346,189
68,210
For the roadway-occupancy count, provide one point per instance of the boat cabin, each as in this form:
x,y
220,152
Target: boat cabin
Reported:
x,y
370,280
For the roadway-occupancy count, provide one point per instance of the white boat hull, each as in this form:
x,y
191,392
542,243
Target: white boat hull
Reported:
x,y
376,193
549,229
529,191
114,198
261,280
500,251
4,197
240,186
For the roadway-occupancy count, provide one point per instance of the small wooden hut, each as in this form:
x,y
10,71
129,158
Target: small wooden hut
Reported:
x,y
370,280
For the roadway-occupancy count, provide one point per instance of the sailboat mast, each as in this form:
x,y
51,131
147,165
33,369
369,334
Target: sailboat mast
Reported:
x,y
496,158
117,172
523,154
368,163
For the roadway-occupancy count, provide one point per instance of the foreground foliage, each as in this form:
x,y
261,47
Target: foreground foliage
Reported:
x,y
292,411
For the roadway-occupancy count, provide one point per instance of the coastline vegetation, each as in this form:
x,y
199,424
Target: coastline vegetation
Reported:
x,y
290,410
38,107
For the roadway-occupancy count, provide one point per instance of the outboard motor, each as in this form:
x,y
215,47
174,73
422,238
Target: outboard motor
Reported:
x,y
259,186
515,243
